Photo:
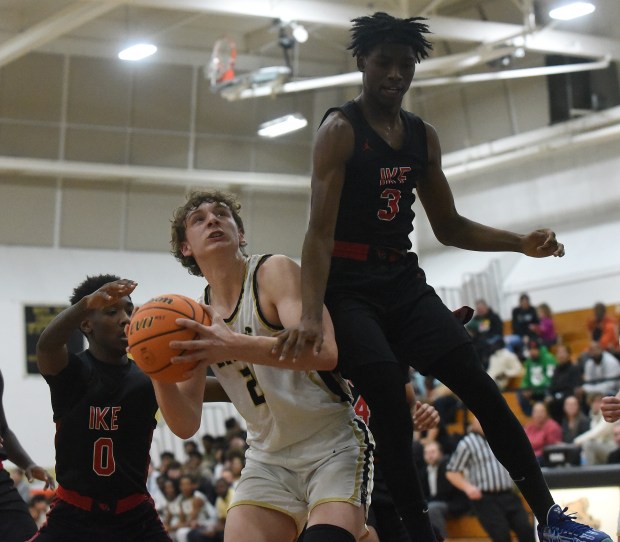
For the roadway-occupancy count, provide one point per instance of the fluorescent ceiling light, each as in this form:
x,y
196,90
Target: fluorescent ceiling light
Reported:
x,y
572,11
137,51
282,125
300,33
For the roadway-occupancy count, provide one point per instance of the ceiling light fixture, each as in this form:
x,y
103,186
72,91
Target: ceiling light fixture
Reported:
x,y
282,125
137,51
572,10
299,32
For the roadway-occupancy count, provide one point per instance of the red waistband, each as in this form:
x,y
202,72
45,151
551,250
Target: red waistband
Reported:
x,y
351,251
90,505
363,252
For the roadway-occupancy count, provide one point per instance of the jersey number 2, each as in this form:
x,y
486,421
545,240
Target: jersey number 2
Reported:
x,y
103,457
393,197
255,393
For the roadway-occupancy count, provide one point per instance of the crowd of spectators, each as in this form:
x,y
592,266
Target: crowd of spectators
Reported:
x,y
559,393
192,493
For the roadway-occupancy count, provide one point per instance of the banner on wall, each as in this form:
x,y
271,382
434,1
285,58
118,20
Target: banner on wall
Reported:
x,y
37,317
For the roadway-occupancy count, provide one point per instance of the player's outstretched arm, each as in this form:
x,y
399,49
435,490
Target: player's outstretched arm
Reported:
x,y
279,296
52,354
452,229
15,451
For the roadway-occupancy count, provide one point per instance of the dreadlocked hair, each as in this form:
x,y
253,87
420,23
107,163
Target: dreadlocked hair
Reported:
x,y
370,31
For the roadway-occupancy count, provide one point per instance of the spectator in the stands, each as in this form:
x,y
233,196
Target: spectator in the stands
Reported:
x,y
574,421
504,365
524,322
604,328
542,430
539,368
601,372
545,329
565,381
598,441
485,327
444,499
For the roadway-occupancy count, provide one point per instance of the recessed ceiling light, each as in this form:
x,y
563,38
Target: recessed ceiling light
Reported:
x,y
572,11
137,51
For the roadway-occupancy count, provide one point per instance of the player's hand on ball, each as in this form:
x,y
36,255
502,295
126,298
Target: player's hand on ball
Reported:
x,y
212,342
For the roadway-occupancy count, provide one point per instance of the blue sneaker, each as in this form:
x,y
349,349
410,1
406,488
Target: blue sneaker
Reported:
x,y
562,527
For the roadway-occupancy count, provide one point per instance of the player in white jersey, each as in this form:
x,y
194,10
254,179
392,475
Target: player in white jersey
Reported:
x,y
310,458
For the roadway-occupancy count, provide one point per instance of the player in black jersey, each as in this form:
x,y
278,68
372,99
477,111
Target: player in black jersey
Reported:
x,y
369,156
104,409
16,523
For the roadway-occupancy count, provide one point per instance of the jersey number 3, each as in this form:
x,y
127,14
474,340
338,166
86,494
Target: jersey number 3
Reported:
x,y
392,195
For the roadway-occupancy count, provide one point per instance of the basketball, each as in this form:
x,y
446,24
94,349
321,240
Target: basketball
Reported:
x,y
151,329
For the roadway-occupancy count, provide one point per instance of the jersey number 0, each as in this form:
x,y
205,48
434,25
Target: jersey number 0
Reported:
x,y
103,457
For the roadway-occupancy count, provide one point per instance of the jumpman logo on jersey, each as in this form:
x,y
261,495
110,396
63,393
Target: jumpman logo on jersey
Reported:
x,y
366,146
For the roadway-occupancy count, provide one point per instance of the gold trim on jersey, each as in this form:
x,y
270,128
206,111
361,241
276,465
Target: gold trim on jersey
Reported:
x,y
257,309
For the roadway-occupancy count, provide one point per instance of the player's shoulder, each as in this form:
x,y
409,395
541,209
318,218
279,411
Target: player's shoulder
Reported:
x,y
277,263
276,275
336,122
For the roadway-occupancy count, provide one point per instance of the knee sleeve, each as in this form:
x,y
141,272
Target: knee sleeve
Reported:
x,y
327,533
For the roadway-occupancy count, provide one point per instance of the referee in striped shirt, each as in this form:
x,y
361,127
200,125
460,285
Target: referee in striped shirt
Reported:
x,y
489,487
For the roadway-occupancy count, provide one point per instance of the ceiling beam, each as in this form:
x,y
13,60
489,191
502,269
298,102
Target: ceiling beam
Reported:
x,y
73,16
443,28
91,171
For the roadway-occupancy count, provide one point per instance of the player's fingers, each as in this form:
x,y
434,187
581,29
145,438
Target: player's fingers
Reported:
x,y
281,338
318,345
288,343
302,338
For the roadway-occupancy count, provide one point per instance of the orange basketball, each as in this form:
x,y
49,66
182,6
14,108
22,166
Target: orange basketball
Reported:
x,y
151,329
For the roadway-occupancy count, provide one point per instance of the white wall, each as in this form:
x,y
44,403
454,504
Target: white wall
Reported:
x,y
590,272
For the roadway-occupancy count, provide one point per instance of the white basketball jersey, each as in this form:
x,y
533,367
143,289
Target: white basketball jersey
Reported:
x,y
282,407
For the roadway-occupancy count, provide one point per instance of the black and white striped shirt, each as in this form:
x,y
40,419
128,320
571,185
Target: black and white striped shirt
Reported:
x,y
473,454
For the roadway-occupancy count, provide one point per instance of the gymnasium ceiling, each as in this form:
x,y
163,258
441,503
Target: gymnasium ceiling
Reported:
x,y
470,37
467,33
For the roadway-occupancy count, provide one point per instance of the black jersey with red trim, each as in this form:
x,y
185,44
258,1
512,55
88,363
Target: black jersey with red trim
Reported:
x,y
105,417
377,195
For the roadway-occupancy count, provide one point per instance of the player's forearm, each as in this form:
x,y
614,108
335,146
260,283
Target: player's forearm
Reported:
x,y
60,329
14,450
469,235
315,263
181,404
259,351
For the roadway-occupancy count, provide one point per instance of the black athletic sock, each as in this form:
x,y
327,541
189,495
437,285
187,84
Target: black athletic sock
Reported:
x,y
323,532
462,372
